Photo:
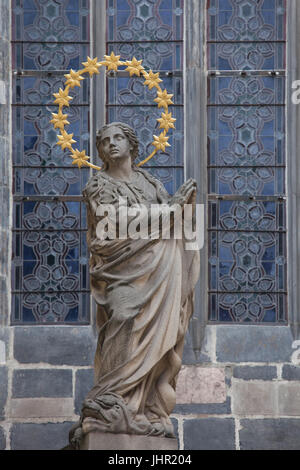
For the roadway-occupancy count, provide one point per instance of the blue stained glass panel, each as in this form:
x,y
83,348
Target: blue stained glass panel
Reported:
x,y
47,308
129,91
246,56
246,136
51,215
35,142
49,181
247,215
265,181
50,21
39,90
251,20
38,56
246,157
151,31
244,308
246,90
147,20
171,178
50,275
158,56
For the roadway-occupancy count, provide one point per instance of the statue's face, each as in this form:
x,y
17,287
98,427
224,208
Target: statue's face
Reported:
x,y
114,144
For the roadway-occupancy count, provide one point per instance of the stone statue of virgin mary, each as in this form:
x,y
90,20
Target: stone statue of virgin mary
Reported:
x,y
144,291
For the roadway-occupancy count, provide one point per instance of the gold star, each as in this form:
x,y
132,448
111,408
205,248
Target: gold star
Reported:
x,y
62,98
112,61
134,67
73,78
161,142
91,66
65,140
59,120
166,121
152,79
79,158
163,99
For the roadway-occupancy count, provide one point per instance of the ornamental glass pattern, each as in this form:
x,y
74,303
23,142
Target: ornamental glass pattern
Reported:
x,y
50,259
151,30
246,160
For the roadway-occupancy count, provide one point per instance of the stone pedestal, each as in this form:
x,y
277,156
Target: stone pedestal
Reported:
x,y
107,441
98,440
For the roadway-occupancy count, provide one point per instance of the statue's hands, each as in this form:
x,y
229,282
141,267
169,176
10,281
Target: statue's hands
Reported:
x,y
186,194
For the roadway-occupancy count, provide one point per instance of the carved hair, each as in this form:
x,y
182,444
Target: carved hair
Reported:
x,y
128,132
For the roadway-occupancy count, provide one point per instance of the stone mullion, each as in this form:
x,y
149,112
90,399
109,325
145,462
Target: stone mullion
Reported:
x,y
293,170
195,132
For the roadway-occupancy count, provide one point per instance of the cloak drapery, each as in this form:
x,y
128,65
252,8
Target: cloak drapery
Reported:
x,y
144,292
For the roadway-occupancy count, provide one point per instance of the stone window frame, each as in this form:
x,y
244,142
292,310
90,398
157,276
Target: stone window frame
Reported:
x,y
195,144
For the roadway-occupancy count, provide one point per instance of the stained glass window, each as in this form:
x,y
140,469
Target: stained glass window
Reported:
x,y
151,30
50,258
246,160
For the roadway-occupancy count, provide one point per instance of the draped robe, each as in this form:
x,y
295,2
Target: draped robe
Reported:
x,y
144,293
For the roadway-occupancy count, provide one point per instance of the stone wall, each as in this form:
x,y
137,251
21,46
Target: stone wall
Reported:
x,y
243,392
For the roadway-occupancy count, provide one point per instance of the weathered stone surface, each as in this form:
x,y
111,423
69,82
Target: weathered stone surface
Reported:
x,y
2,352
4,20
255,372
236,343
200,385
209,434
254,398
289,399
31,383
4,200
83,383
4,337
4,292
204,408
48,436
269,434
60,345
290,372
175,427
4,170
41,408
3,391
189,356
2,439
109,441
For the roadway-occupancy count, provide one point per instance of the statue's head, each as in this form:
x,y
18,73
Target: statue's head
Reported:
x,y
129,134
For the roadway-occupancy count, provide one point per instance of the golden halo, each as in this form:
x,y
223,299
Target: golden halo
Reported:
x,y
112,61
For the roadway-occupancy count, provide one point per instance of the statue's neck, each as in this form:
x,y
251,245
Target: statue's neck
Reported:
x,y
120,169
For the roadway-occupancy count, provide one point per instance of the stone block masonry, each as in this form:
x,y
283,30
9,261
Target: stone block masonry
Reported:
x,y
2,439
251,396
44,436
59,345
46,371
209,434
45,374
33,383
274,434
